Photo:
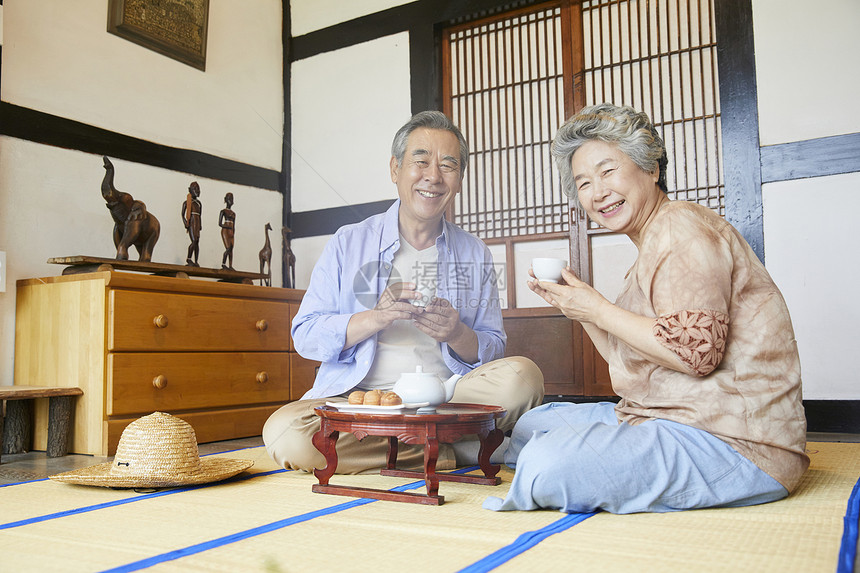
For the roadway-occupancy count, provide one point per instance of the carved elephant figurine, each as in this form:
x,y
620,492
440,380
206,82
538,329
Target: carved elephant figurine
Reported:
x,y
133,224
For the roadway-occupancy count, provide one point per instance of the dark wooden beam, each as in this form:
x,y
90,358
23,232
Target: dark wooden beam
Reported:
x,y
40,127
327,221
425,56
832,416
285,182
394,20
811,158
739,110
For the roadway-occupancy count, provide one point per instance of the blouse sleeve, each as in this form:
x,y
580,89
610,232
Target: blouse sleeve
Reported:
x,y
698,337
685,269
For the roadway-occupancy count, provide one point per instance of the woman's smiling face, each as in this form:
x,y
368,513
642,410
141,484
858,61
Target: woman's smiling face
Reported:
x,y
614,191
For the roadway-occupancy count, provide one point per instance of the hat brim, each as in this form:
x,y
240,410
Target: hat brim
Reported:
x,y
211,470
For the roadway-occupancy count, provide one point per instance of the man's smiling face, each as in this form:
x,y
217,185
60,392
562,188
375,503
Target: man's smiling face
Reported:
x,y
429,177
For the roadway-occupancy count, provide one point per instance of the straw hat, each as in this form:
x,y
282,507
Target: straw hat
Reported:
x,y
158,450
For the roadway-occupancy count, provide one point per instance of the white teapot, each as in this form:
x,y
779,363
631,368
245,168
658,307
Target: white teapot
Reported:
x,y
419,386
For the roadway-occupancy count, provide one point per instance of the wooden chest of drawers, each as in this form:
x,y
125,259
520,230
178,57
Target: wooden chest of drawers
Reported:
x,y
217,355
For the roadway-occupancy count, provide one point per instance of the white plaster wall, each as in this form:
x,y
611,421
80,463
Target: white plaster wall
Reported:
x,y
498,253
346,107
307,251
309,15
612,256
59,58
813,260
807,57
51,206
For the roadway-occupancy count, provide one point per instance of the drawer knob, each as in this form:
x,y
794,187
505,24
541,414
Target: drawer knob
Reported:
x,y
160,381
160,321
262,325
262,377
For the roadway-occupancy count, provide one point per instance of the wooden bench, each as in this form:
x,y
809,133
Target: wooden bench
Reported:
x,y
19,417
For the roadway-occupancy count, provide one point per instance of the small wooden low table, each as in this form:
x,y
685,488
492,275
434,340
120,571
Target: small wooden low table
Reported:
x,y
18,419
449,424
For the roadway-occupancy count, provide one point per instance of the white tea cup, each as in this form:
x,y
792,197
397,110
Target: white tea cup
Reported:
x,y
548,269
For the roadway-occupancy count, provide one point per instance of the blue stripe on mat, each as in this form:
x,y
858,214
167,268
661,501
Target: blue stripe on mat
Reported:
x,y
22,482
88,508
248,533
848,547
525,542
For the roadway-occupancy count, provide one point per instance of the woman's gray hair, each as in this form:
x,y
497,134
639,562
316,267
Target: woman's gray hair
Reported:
x,y
429,120
630,130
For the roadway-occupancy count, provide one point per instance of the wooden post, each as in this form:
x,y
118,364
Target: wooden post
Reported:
x,y
59,422
19,430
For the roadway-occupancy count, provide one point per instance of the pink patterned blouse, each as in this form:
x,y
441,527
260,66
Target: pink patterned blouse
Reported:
x,y
716,307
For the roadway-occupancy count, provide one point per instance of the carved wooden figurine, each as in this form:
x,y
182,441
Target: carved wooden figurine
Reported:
x,y
266,258
227,222
192,211
289,260
133,224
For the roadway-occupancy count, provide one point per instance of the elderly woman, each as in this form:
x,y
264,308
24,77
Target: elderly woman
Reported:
x,y
699,344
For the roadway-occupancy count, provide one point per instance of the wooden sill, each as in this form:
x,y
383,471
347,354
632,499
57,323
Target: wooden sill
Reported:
x,y
530,312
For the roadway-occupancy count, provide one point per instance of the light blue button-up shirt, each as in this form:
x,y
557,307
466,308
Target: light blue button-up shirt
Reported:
x,y
352,273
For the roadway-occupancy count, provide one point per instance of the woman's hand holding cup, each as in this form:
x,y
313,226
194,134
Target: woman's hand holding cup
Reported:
x,y
575,299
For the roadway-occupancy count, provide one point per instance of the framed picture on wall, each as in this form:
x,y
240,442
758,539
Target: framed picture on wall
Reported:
x,y
174,28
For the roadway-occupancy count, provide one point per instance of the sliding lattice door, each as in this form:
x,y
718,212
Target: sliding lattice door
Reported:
x,y
506,93
510,81
660,57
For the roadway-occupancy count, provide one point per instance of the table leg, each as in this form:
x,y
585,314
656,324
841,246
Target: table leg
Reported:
x,y
488,445
431,454
325,440
392,452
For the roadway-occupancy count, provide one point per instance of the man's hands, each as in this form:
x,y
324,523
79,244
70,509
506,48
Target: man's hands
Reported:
x,y
438,320
441,321
396,304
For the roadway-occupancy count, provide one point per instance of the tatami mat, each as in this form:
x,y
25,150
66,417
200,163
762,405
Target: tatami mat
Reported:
x,y
269,520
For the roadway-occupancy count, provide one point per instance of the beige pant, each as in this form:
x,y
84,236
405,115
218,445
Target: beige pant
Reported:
x,y
514,383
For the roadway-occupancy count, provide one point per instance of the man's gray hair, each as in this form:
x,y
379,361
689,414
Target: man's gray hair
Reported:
x,y
429,120
630,130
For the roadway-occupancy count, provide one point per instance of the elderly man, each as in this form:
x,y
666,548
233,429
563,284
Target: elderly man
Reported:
x,y
402,289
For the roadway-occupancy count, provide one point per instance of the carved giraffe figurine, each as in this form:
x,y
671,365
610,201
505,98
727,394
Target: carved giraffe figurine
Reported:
x,y
266,258
289,260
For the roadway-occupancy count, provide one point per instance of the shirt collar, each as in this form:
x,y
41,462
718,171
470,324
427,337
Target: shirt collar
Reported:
x,y
391,229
